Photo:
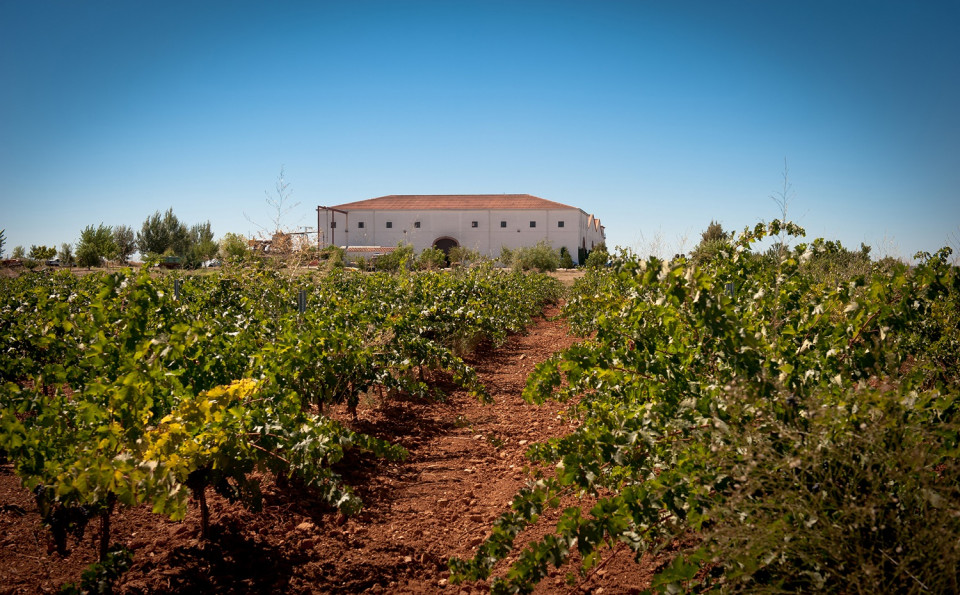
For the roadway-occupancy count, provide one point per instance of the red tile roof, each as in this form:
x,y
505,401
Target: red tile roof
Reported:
x,y
425,202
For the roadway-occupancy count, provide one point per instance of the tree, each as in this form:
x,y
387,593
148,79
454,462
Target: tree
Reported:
x,y
3,241
431,258
153,238
233,247
712,241
95,245
42,252
178,233
65,254
566,260
541,257
597,257
202,246
463,256
164,235
400,258
18,252
280,206
125,240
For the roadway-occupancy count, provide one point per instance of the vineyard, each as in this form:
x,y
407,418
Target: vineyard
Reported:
x,y
778,421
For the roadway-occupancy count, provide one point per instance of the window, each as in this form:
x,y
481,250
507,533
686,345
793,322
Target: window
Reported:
x,y
503,224
559,223
533,224
333,225
416,224
389,224
360,225
474,224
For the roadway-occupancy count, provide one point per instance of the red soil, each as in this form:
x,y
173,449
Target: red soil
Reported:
x,y
466,463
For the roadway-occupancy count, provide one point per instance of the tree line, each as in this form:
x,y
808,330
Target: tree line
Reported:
x,y
160,236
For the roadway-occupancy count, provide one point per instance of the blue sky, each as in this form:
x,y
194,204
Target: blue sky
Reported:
x,y
655,116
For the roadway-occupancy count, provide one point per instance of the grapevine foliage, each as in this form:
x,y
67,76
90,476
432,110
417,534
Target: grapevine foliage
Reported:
x,y
128,388
802,426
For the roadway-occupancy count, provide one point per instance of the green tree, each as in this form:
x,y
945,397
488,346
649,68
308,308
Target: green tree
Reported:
x,y
597,257
95,245
566,260
125,240
164,234
401,258
233,247
178,233
65,254
431,258
18,252
3,241
202,246
541,257
153,237
712,241
42,252
463,256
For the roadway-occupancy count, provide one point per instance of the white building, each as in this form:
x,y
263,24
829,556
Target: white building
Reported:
x,y
482,222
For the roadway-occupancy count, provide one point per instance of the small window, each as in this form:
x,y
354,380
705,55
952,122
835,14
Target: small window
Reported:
x,y
559,223
416,224
333,225
360,225
389,224
503,224
474,224
533,224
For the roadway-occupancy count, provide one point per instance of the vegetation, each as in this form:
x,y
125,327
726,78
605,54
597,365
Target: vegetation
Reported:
x,y
540,257
714,240
65,254
96,245
598,257
400,258
117,390
42,253
461,256
233,247
125,241
797,427
431,259
164,235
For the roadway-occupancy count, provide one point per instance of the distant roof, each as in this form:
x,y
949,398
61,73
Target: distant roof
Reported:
x,y
424,202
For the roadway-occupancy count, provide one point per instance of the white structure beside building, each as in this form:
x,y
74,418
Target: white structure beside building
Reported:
x,y
482,222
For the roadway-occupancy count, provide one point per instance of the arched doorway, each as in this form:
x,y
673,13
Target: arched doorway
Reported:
x,y
445,243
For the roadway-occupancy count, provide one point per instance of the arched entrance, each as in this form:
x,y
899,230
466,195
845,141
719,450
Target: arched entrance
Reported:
x,y
445,243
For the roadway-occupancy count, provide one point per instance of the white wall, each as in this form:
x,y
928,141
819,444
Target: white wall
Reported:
x,y
487,237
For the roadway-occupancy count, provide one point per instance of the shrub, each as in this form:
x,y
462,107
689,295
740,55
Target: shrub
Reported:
x,y
541,257
431,258
598,257
462,256
401,258
332,257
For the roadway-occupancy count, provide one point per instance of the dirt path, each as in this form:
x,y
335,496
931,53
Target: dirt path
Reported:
x,y
466,463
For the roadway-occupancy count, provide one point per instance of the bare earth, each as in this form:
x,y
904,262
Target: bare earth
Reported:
x,y
466,463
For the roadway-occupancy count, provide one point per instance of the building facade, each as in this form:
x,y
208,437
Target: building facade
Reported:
x,y
482,222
